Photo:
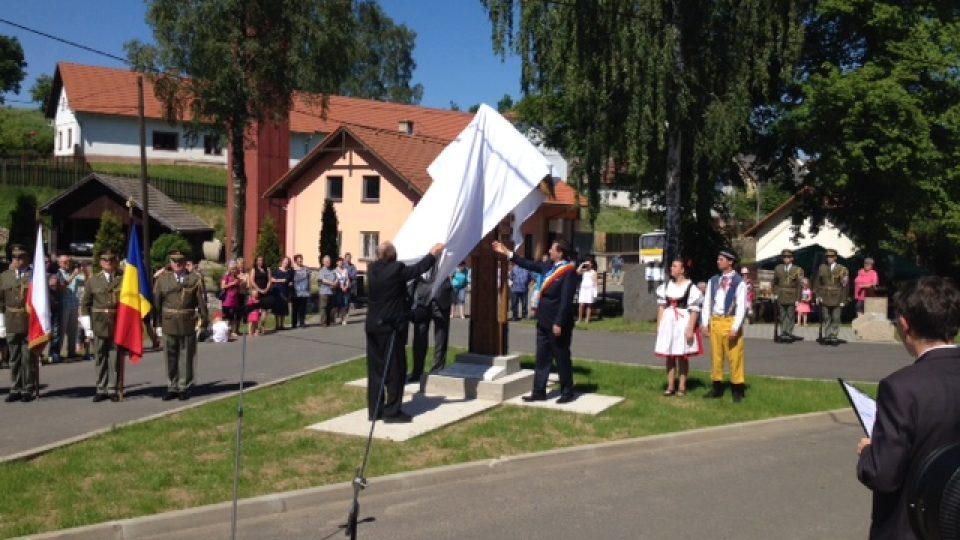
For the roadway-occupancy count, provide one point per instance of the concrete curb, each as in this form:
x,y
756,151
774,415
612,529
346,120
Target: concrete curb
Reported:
x,y
40,450
292,501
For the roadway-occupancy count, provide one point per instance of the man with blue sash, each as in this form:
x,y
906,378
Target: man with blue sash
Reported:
x,y
723,313
554,318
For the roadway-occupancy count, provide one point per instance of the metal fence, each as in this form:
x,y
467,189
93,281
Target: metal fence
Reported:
x,y
62,173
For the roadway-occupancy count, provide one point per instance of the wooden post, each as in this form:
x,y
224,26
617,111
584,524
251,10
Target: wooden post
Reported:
x,y
489,330
143,182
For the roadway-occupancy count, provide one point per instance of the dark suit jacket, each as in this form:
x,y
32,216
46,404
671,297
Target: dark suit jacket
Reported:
x,y
387,291
444,297
918,411
556,303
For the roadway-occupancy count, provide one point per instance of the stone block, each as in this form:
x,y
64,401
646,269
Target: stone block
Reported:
x,y
639,302
507,387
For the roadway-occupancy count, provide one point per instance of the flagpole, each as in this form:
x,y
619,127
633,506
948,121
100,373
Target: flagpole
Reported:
x,y
122,366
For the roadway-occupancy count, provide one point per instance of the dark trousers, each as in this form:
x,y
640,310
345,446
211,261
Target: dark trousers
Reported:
x,y
299,311
23,365
181,355
441,334
108,364
788,316
518,300
56,332
550,348
326,309
377,357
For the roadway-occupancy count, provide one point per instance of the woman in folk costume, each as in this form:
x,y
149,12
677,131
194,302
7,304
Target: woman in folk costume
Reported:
x,y
678,336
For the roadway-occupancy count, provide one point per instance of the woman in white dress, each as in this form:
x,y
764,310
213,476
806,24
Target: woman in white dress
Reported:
x,y
678,335
588,291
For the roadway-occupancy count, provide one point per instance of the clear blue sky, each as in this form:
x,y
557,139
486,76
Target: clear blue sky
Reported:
x,y
455,60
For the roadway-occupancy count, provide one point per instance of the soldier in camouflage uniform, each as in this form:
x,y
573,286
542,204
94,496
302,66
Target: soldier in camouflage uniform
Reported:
x,y
787,285
831,289
180,300
16,326
98,315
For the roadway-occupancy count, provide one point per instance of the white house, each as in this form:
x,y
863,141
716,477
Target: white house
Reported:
x,y
774,233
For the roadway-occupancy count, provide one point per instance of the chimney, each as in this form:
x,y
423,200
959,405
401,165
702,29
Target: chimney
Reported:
x,y
406,127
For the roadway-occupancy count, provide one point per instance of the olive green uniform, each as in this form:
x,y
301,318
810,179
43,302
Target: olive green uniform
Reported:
x,y
787,285
13,300
831,289
100,298
180,300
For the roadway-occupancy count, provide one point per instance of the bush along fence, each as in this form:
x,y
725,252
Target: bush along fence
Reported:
x,y
64,173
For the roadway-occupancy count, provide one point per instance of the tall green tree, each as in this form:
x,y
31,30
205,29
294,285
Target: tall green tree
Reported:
x,y
234,63
110,236
40,90
268,243
660,92
12,65
329,228
23,223
877,112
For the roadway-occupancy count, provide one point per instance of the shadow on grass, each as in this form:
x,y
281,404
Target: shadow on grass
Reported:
x,y
199,390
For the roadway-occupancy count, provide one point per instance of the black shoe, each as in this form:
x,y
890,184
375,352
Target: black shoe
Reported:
x,y
717,391
114,398
535,396
99,397
413,378
27,397
796,338
12,397
566,397
838,341
184,395
170,395
738,392
399,418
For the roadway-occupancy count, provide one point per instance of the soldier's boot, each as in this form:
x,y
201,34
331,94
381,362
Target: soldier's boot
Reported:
x,y
738,391
717,391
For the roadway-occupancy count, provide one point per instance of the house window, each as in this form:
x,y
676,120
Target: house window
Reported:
x,y
69,138
335,188
371,189
165,140
211,145
368,243
59,139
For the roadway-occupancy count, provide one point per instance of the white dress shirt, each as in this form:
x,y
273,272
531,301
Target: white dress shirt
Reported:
x,y
713,302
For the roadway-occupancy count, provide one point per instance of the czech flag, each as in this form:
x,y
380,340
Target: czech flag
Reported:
x,y
134,300
38,298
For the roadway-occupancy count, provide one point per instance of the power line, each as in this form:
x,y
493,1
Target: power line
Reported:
x,y
65,41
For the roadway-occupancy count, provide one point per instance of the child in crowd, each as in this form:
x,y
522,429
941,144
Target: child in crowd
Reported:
x,y
253,315
220,329
803,306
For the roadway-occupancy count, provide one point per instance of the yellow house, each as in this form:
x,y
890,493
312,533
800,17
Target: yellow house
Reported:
x,y
375,176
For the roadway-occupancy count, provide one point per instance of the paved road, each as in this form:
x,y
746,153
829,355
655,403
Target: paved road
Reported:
x,y
790,479
65,411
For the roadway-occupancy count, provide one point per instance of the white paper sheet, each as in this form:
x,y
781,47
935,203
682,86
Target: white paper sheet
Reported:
x,y
864,405
487,172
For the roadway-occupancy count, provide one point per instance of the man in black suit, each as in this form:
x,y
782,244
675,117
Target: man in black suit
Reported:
x,y
554,318
917,406
427,308
387,310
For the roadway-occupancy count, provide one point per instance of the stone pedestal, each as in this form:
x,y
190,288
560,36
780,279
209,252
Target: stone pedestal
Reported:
x,y
639,298
872,324
478,376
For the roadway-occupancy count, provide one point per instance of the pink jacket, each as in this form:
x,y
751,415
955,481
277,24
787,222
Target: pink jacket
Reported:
x,y
865,280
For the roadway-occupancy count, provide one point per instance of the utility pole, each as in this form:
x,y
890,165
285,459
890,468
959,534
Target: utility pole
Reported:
x,y
143,180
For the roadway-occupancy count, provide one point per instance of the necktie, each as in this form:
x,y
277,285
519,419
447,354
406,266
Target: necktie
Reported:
x,y
725,283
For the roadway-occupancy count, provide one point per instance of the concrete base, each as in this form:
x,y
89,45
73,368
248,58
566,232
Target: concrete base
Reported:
x,y
428,412
592,404
495,378
874,327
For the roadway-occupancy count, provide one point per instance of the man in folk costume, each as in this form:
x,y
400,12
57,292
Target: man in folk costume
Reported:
x,y
554,318
788,286
831,288
98,316
15,325
180,300
724,309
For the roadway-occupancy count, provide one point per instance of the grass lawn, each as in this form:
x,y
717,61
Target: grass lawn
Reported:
x,y
201,175
186,459
612,219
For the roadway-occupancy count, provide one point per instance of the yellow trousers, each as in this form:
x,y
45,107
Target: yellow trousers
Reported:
x,y
720,345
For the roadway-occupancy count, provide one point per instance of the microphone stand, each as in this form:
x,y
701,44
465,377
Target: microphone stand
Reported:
x,y
360,481
236,461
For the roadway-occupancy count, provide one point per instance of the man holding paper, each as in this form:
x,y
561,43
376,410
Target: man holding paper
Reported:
x,y
917,406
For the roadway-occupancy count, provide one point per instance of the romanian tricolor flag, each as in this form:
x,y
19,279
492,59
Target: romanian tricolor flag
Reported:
x,y
38,298
134,302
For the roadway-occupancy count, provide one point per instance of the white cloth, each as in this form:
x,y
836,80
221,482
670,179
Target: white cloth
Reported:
x,y
39,288
220,331
85,324
672,330
487,172
713,302
588,287
3,327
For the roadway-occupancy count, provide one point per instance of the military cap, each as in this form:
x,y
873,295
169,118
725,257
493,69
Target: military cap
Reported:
x,y
831,253
177,256
16,250
786,253
729,254
107,255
